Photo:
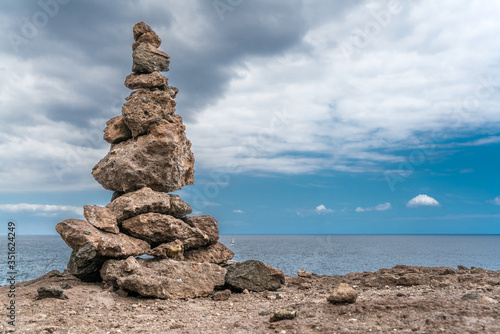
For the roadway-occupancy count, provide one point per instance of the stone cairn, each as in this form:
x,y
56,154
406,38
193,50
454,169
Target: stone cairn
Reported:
x,y
149,157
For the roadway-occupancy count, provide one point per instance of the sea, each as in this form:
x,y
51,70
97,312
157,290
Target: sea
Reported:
x,y
320,254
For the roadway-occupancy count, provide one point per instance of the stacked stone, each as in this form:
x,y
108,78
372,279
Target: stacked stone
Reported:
x,y
149,157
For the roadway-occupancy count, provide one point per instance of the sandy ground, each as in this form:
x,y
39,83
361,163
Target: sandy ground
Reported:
x,y
401,299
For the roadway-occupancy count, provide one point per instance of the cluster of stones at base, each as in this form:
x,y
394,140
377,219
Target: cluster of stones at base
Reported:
x,y
149,157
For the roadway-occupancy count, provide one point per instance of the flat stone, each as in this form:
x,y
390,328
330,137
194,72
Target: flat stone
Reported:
x,y
161,160
144,200
165,278
77,233
101,217
116,130
254,275
343,294
146,80
148,59
157,228
144,108
51,292
216,253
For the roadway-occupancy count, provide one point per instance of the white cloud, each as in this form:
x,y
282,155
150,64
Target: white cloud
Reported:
x,y
380,207
422,200
496,201
42,209
321,210
238,211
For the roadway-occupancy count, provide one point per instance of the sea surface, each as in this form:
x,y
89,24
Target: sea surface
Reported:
x,y
320,254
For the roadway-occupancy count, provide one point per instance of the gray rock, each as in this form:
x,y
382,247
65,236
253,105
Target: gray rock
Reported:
x,y
148,59
161,160
101,217
164,278
254,275
51,292
343,294
85,264
146,107
222,295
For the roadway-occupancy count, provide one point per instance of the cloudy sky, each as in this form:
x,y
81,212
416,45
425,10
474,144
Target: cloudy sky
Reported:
x,y
305,116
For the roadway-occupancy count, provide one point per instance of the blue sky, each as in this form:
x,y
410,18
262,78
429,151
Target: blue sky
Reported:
x,y
305,116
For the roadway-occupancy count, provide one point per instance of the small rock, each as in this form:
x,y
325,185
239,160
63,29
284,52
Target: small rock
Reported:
x,y
470,296
122,293
146,80
222,295
66,286
303,273
461,267
343,294
51,292
279,296
304,286
283,314
245,292
254,275
477,270
487,300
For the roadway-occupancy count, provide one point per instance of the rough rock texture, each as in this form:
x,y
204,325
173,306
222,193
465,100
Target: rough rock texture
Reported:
x,y
254,275
207,224
436,307
343,294
222,295
216,253
283,314
170,250
140,29
144,200
101,217
85,264
145,107
149,38
149,59
51,292
164,278
77,233
146,80
161,160
116,130
156,229
178,208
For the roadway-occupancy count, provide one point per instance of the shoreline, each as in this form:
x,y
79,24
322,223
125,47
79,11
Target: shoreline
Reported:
x,y
399,299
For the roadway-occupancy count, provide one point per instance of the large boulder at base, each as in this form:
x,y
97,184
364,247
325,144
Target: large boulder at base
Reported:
x,y
254,275
77,233
148,59
101,217
161,160
146,80
205,223
163,278
156,229
116,130
85,264
216,253
145,107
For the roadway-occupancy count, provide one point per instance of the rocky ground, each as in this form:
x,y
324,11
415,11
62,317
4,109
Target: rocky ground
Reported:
x,y
400,299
